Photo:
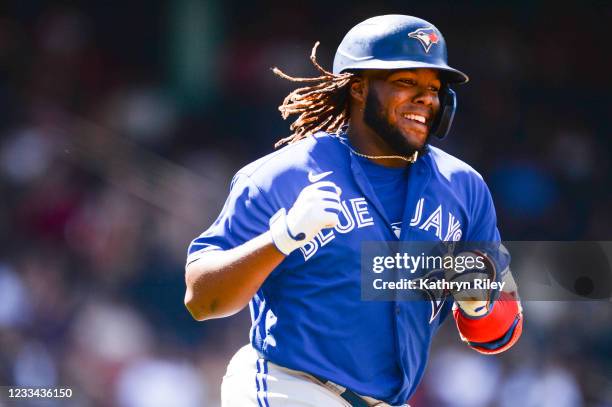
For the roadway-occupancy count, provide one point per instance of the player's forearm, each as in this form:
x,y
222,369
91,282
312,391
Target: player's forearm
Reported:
x,y
501,328
496,332
221,283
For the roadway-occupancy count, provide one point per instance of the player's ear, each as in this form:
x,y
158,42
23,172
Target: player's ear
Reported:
x,y
358,89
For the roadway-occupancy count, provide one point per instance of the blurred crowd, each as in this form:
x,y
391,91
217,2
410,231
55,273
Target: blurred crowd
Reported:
x,y
122,123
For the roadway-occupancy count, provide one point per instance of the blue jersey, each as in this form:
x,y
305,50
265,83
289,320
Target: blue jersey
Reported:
x,y
308,314
390,188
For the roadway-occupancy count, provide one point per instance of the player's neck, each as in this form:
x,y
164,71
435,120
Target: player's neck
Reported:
x,y
365,141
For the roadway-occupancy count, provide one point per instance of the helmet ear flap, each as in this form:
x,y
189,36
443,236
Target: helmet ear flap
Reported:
x,y
448,105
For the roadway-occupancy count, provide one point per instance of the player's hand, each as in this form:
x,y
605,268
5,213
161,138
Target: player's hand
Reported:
x,y
316,208
474,302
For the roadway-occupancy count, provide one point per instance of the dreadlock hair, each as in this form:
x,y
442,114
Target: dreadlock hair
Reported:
x,y
320,106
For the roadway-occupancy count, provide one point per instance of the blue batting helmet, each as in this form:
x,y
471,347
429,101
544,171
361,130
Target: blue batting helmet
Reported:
x,y
401,42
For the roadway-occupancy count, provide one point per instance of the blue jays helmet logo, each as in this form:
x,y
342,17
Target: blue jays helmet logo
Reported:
x,y
426,36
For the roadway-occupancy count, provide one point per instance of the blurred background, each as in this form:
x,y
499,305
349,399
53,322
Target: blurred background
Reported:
x,y
122,123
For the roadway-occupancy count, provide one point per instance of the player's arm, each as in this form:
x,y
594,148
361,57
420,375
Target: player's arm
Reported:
x,y
222,282
491,321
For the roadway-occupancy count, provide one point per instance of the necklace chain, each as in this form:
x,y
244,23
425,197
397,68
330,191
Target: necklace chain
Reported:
x,y
410,159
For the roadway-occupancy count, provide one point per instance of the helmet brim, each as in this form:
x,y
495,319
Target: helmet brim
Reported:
x,y
451,75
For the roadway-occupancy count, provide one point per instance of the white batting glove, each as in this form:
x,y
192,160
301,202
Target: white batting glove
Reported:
x,y
316,208
473,302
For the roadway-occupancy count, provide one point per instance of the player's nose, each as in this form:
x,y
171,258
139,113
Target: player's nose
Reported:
x,y
425,97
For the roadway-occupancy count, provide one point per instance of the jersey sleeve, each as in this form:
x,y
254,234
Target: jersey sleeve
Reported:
x,y
482,232
245,215
483,222
501,328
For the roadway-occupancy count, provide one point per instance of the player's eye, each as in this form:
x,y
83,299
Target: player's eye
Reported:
x,y
435,89
409,82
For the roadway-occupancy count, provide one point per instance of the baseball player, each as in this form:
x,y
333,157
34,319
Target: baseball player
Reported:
x,y
356,168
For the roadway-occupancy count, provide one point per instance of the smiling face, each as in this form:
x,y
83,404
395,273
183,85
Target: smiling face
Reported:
x,y
401,105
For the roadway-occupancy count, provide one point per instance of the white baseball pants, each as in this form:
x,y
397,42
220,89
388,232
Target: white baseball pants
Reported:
x,y
251,381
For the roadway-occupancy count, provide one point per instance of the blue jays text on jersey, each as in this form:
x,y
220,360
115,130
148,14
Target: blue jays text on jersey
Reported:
x,y
308,314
